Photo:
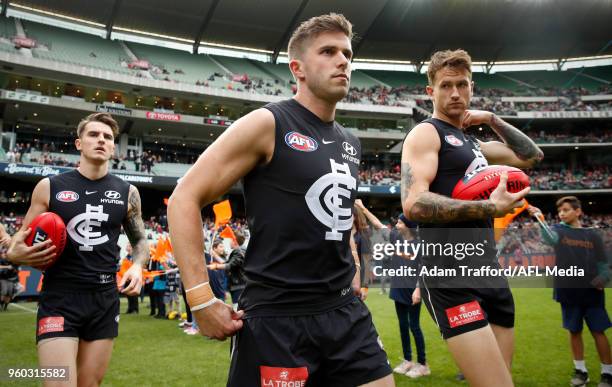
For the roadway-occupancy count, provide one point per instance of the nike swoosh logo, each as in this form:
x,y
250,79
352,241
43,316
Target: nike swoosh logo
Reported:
x,y
89,193
327,142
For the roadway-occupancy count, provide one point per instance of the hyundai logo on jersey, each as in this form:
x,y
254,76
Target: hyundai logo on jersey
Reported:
x,y
348,148
300,142
112,194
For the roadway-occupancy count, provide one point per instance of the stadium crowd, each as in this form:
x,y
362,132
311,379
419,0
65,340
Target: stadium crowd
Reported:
x,y
558,177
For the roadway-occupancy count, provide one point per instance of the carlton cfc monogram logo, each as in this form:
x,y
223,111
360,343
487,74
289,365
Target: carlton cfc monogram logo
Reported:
x,y
80,228
328,209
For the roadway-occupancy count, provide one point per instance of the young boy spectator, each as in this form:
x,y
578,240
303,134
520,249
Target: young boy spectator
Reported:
x,y
581,298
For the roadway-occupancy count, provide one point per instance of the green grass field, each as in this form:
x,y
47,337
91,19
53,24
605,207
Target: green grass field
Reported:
x,y
152,352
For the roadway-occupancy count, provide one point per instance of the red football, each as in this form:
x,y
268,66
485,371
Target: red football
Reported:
x,y
48,225
479,184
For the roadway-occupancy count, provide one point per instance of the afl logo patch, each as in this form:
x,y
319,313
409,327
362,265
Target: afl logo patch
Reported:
x,y
67,196
300,142
454,141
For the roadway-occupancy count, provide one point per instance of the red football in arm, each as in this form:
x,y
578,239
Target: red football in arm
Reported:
x,y
48,225
479,184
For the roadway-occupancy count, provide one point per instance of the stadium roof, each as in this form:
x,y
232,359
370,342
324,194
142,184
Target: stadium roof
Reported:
x,y
402,30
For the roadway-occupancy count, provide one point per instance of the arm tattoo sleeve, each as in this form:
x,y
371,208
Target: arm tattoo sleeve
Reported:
x,y
519,142
433,208
406,182
134,228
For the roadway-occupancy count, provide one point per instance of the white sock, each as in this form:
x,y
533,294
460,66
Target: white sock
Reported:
x,y
606,369
580,365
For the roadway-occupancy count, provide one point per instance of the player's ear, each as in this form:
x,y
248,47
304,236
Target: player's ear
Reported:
x,y
429,90
77,143
296,67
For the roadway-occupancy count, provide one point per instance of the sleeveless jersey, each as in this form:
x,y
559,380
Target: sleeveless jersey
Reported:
x,y
93,211
459,154
298,208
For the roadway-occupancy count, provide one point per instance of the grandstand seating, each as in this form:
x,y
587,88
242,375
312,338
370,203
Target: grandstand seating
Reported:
x,y
397,78
88,50
194,67
602,72
76,48
7,32
169,169
280,71
494,81
556,79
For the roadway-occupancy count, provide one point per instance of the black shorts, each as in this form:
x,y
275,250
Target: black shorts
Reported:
x,y
85,315
335,348
456,311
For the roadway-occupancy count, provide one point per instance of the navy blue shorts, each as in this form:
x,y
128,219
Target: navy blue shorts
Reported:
x,y
338,348
596,317
86,315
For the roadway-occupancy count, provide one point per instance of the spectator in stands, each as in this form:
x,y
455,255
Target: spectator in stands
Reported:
x,y
9,280
132,300
137,161
234,268
171,298
10,156
5,238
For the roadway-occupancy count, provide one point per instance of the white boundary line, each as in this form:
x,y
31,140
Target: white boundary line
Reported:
x,y
22,307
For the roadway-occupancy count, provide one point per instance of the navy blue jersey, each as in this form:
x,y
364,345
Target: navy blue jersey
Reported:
x,y
299,210
584,249
403,286
459,155
93,212
215,279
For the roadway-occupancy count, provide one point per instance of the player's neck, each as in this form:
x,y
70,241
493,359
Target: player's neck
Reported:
x,y
320,108
454,121
92,171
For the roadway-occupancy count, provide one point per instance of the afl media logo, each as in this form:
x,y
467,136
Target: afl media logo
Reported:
x,y
67,196
300,142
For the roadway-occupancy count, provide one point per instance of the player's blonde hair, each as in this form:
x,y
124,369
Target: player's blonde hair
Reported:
x,y
456,59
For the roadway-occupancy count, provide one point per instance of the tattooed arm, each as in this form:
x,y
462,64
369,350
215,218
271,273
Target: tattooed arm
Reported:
x,y
419,168
134,228
517,149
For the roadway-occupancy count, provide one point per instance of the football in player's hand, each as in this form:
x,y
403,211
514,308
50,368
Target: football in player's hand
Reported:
x,y
479,184
48,225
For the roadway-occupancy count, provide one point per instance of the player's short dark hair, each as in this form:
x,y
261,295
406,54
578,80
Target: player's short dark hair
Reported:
x,y
311,28
455,59
104,118
571,200
239,237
